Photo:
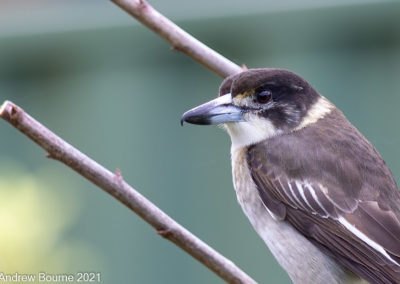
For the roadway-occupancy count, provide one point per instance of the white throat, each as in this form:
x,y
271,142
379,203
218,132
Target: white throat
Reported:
x,y
251,131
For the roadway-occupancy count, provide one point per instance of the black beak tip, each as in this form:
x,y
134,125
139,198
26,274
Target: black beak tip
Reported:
x,y
191,118
184,118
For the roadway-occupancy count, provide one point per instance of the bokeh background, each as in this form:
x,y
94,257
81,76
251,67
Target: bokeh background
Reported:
x,y
116,91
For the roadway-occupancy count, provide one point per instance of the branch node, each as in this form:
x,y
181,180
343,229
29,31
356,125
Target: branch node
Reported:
x,y
9,111
50,156
118,175
142,4
165,233
177,48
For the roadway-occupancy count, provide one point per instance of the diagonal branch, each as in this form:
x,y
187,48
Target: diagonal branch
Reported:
x,y
114,184
178,38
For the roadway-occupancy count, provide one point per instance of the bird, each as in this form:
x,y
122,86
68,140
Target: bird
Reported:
x,y
313,187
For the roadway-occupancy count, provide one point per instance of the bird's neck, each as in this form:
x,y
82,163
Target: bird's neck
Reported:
x,y
255,129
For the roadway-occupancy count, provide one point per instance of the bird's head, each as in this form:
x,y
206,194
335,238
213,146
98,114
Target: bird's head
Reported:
x,y
260,103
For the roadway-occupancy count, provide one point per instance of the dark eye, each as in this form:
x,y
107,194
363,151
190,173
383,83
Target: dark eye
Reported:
x,y
264,96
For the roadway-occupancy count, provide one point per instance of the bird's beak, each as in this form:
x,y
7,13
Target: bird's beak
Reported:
x,y
220,110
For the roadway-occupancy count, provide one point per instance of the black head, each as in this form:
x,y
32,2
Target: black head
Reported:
x,y
276,94
260,103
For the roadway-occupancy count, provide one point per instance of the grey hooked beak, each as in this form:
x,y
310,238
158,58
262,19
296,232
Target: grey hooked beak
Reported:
x,y
219,110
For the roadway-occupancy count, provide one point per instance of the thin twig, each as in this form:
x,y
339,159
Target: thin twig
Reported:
x,y
114,184
178,38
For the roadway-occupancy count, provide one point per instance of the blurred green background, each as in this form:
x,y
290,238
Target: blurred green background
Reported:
x,y
116,91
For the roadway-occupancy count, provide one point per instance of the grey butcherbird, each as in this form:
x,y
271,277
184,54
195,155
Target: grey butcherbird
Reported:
x,y
314,189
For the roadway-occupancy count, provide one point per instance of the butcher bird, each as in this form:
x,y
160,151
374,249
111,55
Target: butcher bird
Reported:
x,y
315,190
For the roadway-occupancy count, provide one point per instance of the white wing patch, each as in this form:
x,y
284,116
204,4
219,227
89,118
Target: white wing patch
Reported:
x,y
314,195
301,190
298,203
302,195
289,195
365,238
299,199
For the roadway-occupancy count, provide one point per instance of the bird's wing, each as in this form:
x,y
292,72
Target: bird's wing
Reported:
x,y
364,235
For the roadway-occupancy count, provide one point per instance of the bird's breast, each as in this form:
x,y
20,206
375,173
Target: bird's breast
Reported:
x,y
287,245
245,188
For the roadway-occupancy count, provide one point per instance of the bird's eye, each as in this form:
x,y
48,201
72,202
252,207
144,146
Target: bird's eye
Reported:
x,y
264,96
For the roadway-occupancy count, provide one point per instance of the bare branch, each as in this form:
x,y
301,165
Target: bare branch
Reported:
x,y
178,38
114,184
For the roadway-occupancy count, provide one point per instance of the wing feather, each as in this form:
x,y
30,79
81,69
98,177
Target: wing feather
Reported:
x,y
309,215
350,212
